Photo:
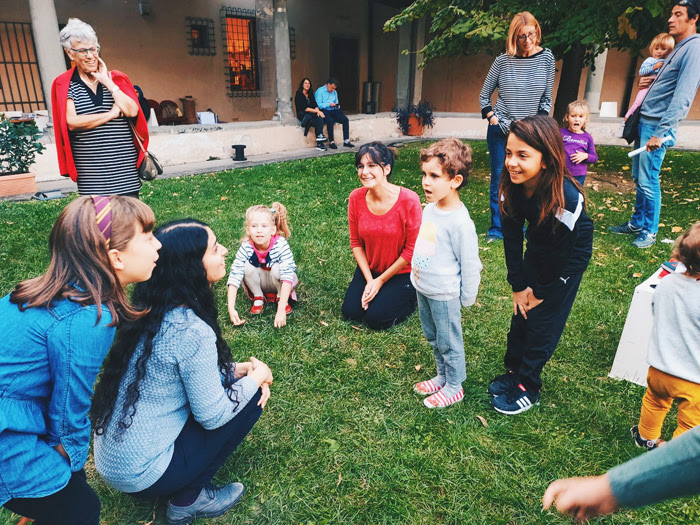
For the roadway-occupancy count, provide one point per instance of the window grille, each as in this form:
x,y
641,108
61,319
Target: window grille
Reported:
x,y
200,36
20,82
292,43
238,29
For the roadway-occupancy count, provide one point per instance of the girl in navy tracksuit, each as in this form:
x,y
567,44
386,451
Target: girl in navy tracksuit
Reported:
x,y
536,189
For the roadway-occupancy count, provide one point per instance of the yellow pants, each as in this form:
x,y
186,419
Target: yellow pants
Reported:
x,y
662,390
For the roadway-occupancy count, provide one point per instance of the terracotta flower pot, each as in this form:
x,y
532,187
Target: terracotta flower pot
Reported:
x,y
17,184
415,128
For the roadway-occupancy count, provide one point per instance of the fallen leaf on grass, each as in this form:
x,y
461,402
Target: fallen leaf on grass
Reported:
x,y
340,479
636,274
676,229
417,367
482,420
224,198
355,327
324,323
389,365
662,225
351,361
631,265
364,483
625,168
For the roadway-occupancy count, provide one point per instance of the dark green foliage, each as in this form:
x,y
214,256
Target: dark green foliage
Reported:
x,y
19,144
423,112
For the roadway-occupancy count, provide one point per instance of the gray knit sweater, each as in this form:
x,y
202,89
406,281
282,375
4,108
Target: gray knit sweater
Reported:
x,y
182,378
674,346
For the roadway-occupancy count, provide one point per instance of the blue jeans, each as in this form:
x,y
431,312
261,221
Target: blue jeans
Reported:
x,y
645,172
442,326
496,141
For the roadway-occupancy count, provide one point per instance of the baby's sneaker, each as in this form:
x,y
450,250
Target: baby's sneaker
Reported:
x,y
648,444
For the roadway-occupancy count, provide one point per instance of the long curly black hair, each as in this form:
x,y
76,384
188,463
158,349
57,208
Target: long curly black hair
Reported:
x,y
179,279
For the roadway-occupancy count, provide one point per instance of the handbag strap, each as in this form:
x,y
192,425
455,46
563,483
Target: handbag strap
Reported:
x,y
138,139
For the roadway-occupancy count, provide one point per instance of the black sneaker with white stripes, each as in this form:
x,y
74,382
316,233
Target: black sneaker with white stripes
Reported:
x,y
518,399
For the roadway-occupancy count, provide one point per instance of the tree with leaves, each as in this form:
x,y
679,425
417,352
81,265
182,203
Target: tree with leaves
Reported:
x,y
576,32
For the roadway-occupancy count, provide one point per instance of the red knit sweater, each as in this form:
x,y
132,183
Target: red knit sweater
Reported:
x,y
385,237
59,97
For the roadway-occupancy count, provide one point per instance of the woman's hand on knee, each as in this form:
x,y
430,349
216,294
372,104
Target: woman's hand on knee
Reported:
x,y
264,395
261,372
371,291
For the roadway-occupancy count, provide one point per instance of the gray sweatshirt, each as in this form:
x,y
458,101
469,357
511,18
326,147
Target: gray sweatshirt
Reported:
x,y
671,95
674,346
445,262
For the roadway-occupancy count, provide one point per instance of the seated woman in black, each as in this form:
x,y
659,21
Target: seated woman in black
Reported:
x,y
308,112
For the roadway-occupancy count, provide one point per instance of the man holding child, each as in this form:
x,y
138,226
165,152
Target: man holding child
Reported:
x,y
666,104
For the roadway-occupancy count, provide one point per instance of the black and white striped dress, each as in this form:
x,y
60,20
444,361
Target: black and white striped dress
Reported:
x,y
524,87
105,157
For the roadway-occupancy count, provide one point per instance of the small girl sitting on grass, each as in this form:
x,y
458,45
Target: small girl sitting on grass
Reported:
x,y
264,263
674,348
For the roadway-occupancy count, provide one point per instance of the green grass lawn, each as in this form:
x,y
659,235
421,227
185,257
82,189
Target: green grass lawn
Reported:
x,y
344,439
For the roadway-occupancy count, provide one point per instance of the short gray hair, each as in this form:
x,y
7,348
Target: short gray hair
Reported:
x,y
77,30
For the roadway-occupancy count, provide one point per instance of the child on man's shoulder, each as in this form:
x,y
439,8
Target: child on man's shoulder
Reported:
x,y
446,267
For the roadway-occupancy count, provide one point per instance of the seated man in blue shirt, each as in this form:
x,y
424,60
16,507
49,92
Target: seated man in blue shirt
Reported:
x,y
327,100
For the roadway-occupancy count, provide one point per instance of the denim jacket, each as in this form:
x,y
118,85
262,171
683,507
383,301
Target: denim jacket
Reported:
x,y
49,360
671,95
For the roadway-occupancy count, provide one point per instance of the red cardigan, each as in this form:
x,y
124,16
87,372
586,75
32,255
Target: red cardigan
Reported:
x,y
59,97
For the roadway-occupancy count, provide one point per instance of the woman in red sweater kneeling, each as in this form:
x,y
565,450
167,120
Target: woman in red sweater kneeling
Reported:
x,y
384,220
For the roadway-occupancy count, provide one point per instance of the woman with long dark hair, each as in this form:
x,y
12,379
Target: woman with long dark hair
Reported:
x,y
308,112
57,329
171,405
384,220
536,188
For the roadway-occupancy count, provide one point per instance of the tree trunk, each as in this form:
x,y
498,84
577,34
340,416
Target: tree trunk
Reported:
x,y
569,80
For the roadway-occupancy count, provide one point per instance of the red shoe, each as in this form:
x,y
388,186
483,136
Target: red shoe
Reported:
x,y
258,303
288,309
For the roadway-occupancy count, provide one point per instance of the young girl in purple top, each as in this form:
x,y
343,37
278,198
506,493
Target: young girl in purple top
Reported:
x,y
578,143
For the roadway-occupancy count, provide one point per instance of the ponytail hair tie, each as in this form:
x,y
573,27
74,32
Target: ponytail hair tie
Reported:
x,y
103,216
273,211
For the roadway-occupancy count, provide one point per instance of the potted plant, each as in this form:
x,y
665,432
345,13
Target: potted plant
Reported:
x,y
412,119
19,145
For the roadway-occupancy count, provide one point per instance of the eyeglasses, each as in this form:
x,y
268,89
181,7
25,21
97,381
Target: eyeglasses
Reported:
x,y
84,51
532,35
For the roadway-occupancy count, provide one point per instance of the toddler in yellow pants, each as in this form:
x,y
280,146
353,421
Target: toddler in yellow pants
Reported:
x,y
674,348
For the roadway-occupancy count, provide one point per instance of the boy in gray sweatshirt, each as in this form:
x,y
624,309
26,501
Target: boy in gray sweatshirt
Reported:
x,y
445,267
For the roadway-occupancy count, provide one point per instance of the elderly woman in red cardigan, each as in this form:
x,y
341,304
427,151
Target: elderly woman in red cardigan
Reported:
x,y
92,107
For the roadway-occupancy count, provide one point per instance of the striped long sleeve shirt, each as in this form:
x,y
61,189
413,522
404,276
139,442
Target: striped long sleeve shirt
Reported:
x,y
524,87
279,252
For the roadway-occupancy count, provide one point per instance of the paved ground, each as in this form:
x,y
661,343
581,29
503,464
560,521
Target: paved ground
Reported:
x,y
65,185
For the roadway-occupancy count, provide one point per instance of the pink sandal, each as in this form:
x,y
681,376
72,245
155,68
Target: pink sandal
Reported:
x,y
425,388
438,400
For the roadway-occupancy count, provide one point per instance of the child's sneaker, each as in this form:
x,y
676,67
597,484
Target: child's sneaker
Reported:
x,y
439,400
518,399
258,303
425,388
648,444
501,384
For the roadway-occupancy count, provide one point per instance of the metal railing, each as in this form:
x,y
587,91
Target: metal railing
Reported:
x,y
20,82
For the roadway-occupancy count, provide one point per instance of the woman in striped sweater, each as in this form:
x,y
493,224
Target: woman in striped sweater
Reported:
x,y
523,77
92,107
